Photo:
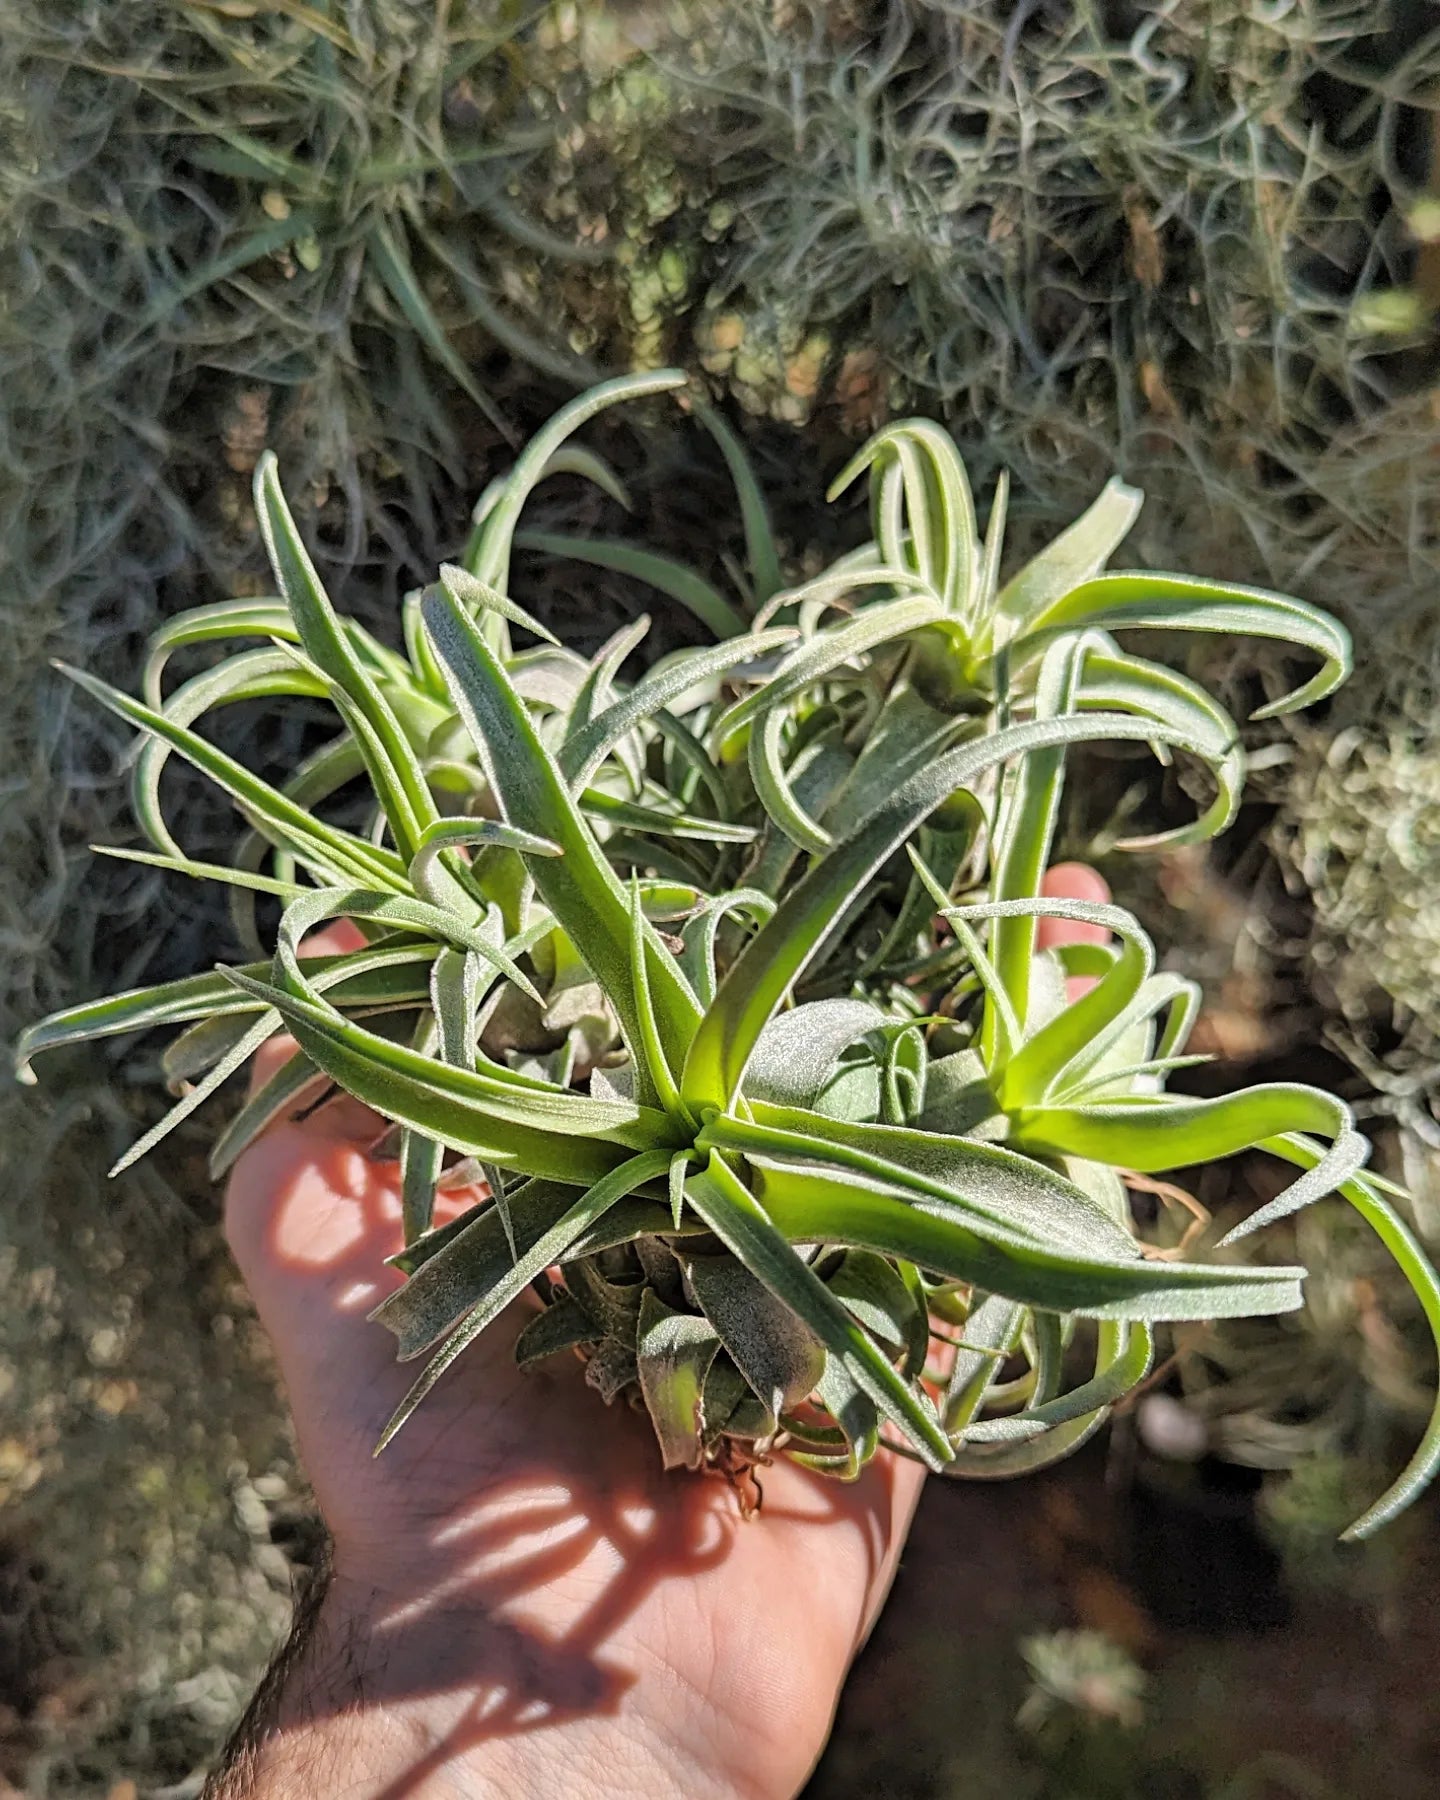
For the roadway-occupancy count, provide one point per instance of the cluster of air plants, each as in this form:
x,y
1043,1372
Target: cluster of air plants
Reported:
x,y
722,985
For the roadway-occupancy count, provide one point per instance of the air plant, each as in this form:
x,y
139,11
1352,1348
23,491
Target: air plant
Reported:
x,y
724,985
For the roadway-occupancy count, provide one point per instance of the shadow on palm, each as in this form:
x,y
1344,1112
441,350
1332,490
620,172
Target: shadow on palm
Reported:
x,y
523,1526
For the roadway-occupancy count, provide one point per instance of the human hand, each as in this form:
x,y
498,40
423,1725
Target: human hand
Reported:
x,y
522,1599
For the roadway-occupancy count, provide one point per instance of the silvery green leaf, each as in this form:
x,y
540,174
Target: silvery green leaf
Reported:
x,y
1366,1193
271,812
478,597
1151,1133
1113,1379
1024,1454
265,618
579,887
797,1050
400,784
201,1046
779,1357
773,787
937,509
992,1331
757,983
724,1203
489,558
1141,600
564,1325
1079,553
674,1351
590,740
827,651
1029,809
875,1292
810,1202
462,1279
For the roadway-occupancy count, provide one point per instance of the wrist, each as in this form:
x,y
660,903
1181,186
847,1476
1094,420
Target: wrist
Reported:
x,y
442,1700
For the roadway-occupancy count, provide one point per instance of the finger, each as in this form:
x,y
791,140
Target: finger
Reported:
x,y
311,1219
905,1483
1071,881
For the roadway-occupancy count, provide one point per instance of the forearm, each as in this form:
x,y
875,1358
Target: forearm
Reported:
x,y
361,1708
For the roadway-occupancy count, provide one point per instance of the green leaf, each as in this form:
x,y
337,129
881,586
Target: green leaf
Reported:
x,y
491,556
258,674
630,816
1152,1132
809,1203
940,511
276,816
330,647
772,786
317,778
1364,1193
1116,1377
269,618
647,1050
760,551
674,1351
909,735
564,1325
993,1328
579,887
235,1058
1129,684
825,652
1028,814
1000,1192
763,973
1076,556
1144,601
434,1288
796,1052
455,834
322,974
778,1355
586,748
875,1292
393,912
697,959
478,597
1117,1357
733,1214
1083,1030
293,1084
493,1115
203,871
675,579
455,992
206,996
201,1046
989,582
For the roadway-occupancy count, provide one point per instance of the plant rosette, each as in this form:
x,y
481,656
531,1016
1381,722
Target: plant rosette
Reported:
x,y
723,984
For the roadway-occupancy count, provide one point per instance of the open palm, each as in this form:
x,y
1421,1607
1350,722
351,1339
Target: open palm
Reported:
x,y
528,1582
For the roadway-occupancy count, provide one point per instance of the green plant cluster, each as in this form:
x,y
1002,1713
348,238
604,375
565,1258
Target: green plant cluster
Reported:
x,y
1158,238
722,988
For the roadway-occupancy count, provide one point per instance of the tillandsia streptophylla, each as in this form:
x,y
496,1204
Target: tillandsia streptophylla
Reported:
x,y
758,1125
